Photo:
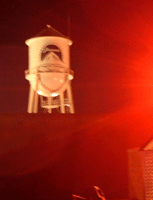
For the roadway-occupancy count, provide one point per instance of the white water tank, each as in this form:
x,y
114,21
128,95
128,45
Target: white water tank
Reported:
x,y
49,62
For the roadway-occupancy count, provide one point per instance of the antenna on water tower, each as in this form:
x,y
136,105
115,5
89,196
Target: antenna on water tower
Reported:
x,y
69,26
49,72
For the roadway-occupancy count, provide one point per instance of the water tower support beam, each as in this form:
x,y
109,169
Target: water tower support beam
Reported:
x,y
49,103
35,108
30,101
62,103
69,94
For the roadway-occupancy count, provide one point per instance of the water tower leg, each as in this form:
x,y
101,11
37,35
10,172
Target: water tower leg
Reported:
x,y
62,103
30,101
35,109
70,97
35,106
49,103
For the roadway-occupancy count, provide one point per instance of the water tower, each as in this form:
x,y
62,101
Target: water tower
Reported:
x,y
49,72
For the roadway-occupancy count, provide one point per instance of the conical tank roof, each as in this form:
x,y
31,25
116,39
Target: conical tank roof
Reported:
x,y
49,31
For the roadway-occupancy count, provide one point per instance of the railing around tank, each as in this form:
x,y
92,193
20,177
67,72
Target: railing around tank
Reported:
x,y
50,68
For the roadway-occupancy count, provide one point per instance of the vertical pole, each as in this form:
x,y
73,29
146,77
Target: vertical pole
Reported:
x,y
30,101
62,103
49,103
35,109
69,91
69,26
70,98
